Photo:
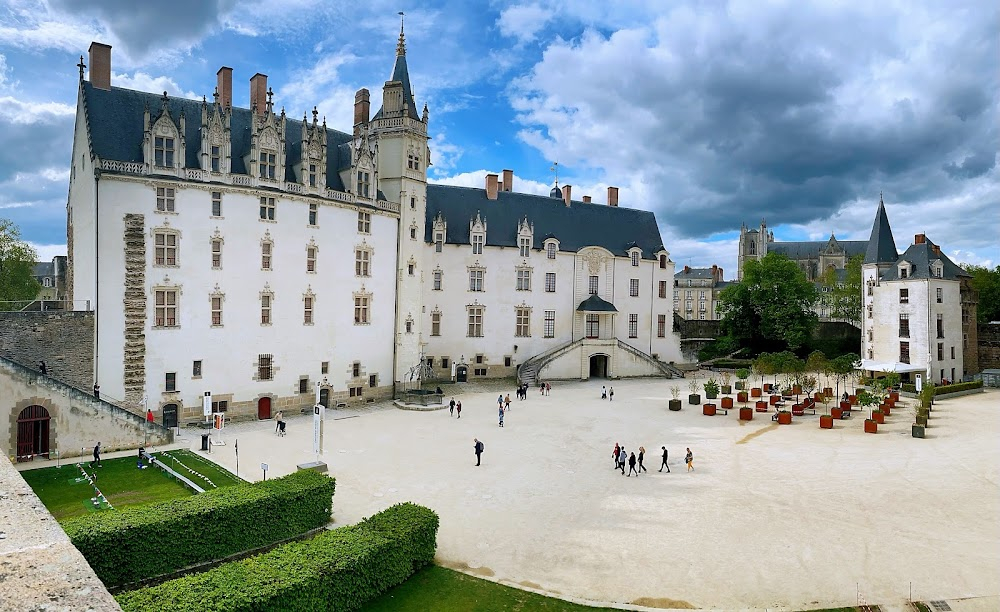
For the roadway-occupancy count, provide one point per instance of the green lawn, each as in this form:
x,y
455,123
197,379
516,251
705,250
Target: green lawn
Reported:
x,y
441,589
185,463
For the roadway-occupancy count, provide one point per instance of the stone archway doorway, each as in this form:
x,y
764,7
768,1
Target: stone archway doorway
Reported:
x,y
264,408
33,433
598,366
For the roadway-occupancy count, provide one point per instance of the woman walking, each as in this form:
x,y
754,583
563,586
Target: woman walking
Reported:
x,y
631,466
689,460
458,408
642,452
615,454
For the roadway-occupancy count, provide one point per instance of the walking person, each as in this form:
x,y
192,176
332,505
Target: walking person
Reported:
x,y
604,392
506,402
501,416
478,449
278,420
500,401
97,456
615,454
548,388
451,407
458,408
622,457
664,464
97,391
611,394
689,460
631,466
642,452
44,368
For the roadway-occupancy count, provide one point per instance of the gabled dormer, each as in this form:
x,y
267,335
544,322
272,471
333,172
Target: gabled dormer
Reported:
x,y
439,232
477,234
662,255
310,170
634,254
163,140
551,246
216,142
904,269
937,268
265,161
525,237
363,181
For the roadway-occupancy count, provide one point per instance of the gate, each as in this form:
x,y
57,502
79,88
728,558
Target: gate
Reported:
x,y
170,415
32,433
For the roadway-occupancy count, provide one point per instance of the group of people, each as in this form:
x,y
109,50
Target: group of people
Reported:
x,y
453,406
544,388
607,395
522,391
634,462
504,404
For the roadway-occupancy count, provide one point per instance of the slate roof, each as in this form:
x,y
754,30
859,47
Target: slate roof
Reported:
x,y
116,131
921,256
694,273
596,304
576,226
881,246
43,268
401,74
811,250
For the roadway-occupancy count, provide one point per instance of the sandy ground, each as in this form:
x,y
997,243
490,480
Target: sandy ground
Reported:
x,y
773,516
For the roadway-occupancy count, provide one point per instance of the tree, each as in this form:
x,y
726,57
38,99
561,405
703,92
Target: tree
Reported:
x,y
771,307
987,283
843,296
17,260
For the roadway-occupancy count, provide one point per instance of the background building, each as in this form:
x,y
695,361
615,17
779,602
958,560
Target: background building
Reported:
x,y
696,292
813,257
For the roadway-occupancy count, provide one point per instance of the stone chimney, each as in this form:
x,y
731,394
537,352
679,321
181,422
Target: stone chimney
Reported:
x,y
919,239
258,93
567,194
225,86
612,196
100,65
508,181
491,186
586,199
362,106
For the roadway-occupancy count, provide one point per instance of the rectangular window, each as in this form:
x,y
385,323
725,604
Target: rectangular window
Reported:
x,y
324,367
593,326
522,322
633,287
437,280
222,406
952,352
940,295
216,310
364,223
268,165
216,158
550,250
940,351
165,252
303,385
373,380
633,326
438,242
410,268
661,326
310,259
904,352
312,178
479,358
265,309
170,382
524,280
165,199
361,310
364,184
196,369
267,208
413,233
663,289
166,308
476,280
479,371
635,258
592,285
313,214
507,361
475,321
216,203
307,311
904,296
524,244
477,244
265,371
356,369
549,331
904,325
362,262
445,363
163,152
435,323
216,254
903,272
265,256
940,325
550,282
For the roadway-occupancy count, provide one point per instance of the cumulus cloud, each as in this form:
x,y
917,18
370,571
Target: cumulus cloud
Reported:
x,y
523,21
140,81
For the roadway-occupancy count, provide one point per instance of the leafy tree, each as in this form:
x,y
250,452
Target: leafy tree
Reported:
x,y
17,260
843,298
771,306
987,283
843,368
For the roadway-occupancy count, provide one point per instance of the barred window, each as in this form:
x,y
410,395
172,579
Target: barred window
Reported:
x,y
633,326
663,289
265,367
592,285
904,325
550,250
661,326
635,258
165,314
633,287
165,199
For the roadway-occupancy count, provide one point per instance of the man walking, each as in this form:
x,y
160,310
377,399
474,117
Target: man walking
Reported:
x,y
501,416
278,418
631,466
616,453
622,458
500,401
611,394
451,407
97,456
604,392
479,449
664,464
689,460
458,408
506,402
642,452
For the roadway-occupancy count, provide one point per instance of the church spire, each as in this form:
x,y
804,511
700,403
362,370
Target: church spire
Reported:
x,y
401,44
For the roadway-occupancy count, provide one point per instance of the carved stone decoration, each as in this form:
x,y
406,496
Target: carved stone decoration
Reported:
x,y
594,261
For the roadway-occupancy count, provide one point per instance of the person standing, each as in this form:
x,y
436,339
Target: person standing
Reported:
x,y
548,389
277,421
478,449
97,456
664,464
44,368
458,408
506,402
631,466
642,453
604,392
611,395
616,453
97,391
689,460
451,407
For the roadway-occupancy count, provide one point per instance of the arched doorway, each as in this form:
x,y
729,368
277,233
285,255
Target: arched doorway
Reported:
x,y
170,415
324,397
598,366
461,373
32,433
264,408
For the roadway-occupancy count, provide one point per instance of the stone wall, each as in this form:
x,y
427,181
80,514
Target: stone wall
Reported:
x,y
134,362
989,347
64,340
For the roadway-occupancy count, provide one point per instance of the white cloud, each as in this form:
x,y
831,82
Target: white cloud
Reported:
x,y
523,21
32,24
21,112
321,86
140,81
46,252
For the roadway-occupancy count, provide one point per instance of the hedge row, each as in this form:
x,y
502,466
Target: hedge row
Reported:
x,y
946,389
140,542
337,570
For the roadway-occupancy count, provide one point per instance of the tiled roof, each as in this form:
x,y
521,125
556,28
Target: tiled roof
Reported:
x,y
921,256
576,226
694,273
43,268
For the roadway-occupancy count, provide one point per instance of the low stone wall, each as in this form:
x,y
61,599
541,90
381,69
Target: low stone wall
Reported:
x,y
64,340
989,346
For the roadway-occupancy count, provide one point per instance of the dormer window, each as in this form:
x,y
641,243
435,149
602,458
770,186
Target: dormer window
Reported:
x,y
635,258
937,269
477,244
364,184
550,250
525,246
312,175
663,262
163,152
268,165
216,158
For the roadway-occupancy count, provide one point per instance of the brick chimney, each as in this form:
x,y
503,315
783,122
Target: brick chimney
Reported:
x,y
919,239
225,86
937,249
586,199
612,196
567,194
508,181
258,93
100,65
362,106
687,269
491,186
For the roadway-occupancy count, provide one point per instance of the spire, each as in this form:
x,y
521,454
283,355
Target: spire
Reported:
x,y
81,66
881,246
401,44
401,74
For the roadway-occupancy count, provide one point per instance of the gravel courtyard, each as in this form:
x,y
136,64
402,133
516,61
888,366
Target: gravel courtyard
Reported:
x,y
773,516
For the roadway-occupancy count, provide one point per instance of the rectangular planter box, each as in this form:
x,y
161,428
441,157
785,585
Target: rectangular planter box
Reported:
x,y
755,392
826,422
796,390
742,397
879,417
784,418
917,431
845,405
761,406
817,397
886,408
767,387
798,410
727,402
746,414
921,420
853,399
727,390
675,405
708,410
894,396
694,399
740,386
871,426
775,399
837,413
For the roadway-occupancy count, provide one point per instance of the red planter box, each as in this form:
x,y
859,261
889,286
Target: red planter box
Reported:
x,y
761,406
871,426
742,397
727,402
817,397
837,413
796,389
708,409
767,387
879,417
755,392
798,409
784,418
775,399
746,414
845,405
826,421
894,396
853,399
886,408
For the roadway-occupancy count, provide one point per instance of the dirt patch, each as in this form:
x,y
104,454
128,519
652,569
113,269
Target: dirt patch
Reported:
x,y
462,566
530,584
662,602
760,431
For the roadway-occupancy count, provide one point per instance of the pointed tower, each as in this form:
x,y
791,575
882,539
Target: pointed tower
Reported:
x,y
880,255
402,157
881,246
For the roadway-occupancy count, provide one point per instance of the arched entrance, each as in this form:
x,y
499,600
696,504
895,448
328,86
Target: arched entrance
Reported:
x,y
264,408
598,366
32,433
461,373
170,415
324,397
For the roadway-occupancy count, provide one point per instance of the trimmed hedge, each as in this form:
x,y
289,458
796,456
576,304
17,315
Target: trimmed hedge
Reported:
x,y
946,389
145,541
337,570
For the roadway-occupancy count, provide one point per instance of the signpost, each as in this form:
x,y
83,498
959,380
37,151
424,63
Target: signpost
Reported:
x,y
919,383
319,412
206,406
263,466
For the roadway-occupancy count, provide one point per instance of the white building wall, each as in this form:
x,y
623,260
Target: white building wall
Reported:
x,y
81,219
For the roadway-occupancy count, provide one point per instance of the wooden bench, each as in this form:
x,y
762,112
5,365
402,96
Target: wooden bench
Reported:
x,y
724,411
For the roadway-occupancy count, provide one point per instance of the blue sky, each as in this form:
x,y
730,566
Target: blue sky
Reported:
x,y
710,114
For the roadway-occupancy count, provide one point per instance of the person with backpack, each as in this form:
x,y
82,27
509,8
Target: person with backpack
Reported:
x,y
631,466
478,449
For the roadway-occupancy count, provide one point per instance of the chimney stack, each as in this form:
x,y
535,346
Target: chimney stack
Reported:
x,y
586,199
258,93
919,239
362,106
687,269
225,86
612,196
100,65
508,181
567,194
937,250
491,186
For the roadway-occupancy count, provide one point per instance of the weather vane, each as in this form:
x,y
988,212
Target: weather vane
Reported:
x,y
555,168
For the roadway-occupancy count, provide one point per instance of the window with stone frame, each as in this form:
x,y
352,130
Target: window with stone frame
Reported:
x,y
904,352
265,367
217,253
939,293
307,310
635,258
364,222
216,302
522,322
216,155
304,385
268,164
267,208
475,322
593,326
438,242
663,262
313,177
550,250
524,246
196,368
310,259
904,296
412,161
356,369
163,151
364,184
477,244
266,252
904,325
592,285
165,248
435,323
362,262
550,282
165,308
633,326
663,289
216,203
661,326
413,232
362,309
165,199
476,279
411,268
549,329
940,325
633,287
437,280
523,282
170,382
266,300
313,214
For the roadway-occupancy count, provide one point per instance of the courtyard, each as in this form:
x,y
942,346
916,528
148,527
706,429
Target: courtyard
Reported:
x,y
772,516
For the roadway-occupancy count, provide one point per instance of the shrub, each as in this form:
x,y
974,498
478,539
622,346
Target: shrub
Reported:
x,y
337,570
149,540
946,389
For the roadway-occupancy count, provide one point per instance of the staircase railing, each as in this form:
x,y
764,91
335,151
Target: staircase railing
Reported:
x,y
540,360
668,370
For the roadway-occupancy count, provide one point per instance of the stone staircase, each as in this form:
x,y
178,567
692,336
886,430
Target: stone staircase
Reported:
x,y
528,371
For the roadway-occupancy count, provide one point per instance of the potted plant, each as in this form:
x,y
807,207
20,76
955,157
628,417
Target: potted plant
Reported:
x,y
694,398
784,418
826,421
742,374
867,400
726,389
746,413
761,406
675,404
711,389
917,430
708,409
871,426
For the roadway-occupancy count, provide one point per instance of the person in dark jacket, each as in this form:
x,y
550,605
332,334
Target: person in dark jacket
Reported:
x,y
642,453
479,449
664,464
631,465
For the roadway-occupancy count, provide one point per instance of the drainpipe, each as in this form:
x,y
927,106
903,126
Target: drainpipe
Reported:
x,y
97,269
652,296
395,310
